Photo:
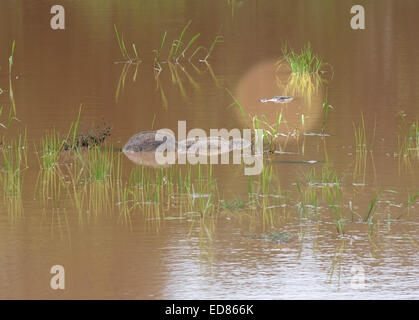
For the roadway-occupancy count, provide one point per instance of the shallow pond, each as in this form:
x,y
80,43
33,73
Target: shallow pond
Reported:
x,y
329,217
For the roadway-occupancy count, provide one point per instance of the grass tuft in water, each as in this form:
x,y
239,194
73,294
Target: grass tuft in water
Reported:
x,y
360,136
408,140
123,48
14,163
301,62
97,161
270,131
51,147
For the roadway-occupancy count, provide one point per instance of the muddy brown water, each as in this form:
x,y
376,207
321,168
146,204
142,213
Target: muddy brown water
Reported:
x,y
375,71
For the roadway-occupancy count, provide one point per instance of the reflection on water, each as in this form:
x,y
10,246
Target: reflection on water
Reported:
x,y
342,185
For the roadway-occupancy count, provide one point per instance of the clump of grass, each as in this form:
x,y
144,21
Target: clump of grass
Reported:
x,y
301,62
123,48
51,147
177,43
408,139
14,162
178,48
270,131
177,54
327,184
362,145
360,136
100,163
334,198
327,178
51,185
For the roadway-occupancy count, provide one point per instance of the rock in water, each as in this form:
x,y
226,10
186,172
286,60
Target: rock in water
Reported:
x,y
211,145
148,141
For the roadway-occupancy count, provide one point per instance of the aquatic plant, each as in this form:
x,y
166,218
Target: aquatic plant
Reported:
x,y
271,131
14,163
362,146
408,140
123,197
157,65
12,99
327,177
304,61
177,43
51,147
236,102
178,48
360,136
52,186
372,206
99,163
322,187
12,110
218,39
70,142
123,48
188,45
